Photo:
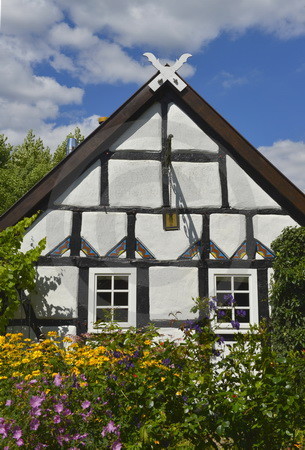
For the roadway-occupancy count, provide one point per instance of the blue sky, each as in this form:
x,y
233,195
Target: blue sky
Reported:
x,y
64,63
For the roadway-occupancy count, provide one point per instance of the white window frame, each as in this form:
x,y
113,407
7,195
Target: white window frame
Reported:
x,y
226,327
132,290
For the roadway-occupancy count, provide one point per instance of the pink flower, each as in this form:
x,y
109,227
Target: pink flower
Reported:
x,y
116,445
86,404
20,442
57,380
36,401
8,402
17,434
34,424
59,407
110,428
56,419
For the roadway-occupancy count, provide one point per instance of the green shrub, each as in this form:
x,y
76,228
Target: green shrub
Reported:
x,y
288,291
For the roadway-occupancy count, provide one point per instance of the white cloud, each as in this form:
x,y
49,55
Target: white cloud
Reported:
x,y
96,45
289,157
52,135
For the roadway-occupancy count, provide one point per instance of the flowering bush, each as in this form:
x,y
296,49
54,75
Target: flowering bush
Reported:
x,y
132,390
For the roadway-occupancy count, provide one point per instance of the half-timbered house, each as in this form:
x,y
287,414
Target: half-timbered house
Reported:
x,y
164,202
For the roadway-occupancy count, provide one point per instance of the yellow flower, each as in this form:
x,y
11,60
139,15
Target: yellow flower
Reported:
x,y
147,342
3,378
178,393
16,374
162,378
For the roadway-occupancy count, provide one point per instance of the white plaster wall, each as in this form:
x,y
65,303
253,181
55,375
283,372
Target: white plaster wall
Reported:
x,y
168,244
186,134
228,231
268,227
170,334
171,289
103,230
135,183
57,290
195,185
85,191
55,225
62,331
143,134
243,192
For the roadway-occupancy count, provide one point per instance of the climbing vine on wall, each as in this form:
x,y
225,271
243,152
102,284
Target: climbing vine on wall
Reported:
x,y
17,270
288,290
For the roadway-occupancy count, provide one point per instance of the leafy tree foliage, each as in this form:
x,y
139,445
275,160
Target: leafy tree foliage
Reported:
x,y
17,271
288,291
21,167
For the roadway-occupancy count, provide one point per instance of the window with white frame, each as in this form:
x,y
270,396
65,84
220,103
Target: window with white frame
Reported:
x,y
236,294
112,296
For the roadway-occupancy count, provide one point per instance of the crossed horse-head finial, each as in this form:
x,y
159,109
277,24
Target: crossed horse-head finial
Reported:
x,y
167,72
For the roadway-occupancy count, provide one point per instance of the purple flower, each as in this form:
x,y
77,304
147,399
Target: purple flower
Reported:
x,y
34,424
235,324
59,407
40,446
32,382
20,442
86,404
116,445
110,428
4,429
17,433
229,299
67,412
56,419
36,412
241,313
36,401
212,305
8,402
221,313
57,380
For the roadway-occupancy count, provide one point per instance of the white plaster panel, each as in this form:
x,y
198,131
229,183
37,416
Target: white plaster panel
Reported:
x,y
268,227
186,134
195,185
169,334
103,230
143,134
85,191
62,331
135,183
228,231
168,244
57,290
55,225
243,192
171,289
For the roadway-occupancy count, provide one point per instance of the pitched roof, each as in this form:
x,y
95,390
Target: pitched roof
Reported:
x,y
256,165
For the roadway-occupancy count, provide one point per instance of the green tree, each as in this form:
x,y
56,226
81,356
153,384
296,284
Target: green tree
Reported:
x,y
17,270
21,167
288,291
60,152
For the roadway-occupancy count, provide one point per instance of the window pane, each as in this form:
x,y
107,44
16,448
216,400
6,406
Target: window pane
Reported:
x,y
103,282
223,283
120,282
103,315
121,299
103,299
241,283
241,299
120,315
242,315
